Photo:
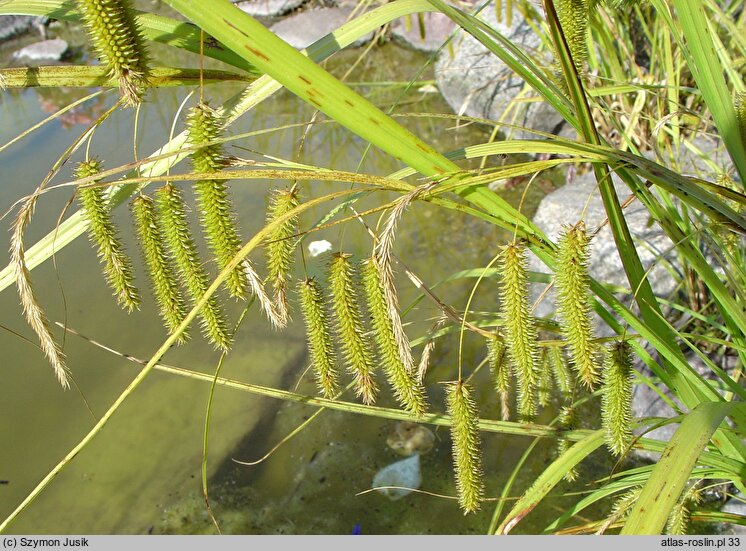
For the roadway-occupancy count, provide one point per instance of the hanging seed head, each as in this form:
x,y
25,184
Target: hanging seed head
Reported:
x,y
567,420
118,42
319,337
520,328
741,115
500,374
573,302
545,380
616,401
183,251
573,16
104,235
351,336
678,520
162,273
407,389
466,447
204,126
280,246
561,370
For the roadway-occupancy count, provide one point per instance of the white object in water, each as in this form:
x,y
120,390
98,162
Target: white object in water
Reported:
x,y
315,248
404,474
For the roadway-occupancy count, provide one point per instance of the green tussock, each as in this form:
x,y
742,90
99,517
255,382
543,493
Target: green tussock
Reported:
x,y
104,235
567,420
467,462
118,42
408,391
678,520
280,246
616,401
162,273
172,213
355,345
216,213
319,339
520,327
573,302
573,16
500,374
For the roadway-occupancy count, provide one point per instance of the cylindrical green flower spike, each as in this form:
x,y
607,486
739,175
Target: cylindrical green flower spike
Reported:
x,y
573,302
118,42
467,461
103,233
162,273
741,115
544,393
280,247
500,374
350,330
172,213
616,401
561,370
319,337
408,391
214,205
520,327
573,16
678,520
567,421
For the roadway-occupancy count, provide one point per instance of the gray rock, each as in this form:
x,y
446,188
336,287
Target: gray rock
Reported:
x,y
565,207
46,50
13,25
269,8
476,83
437,28
303,29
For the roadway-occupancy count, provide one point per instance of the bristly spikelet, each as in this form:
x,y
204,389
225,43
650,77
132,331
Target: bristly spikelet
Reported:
x,y
500,374
545,380
678,520
407,389
520,328
350,331
560,370
118,42
319,339
741,115
103,234
567,420
172,213
573,16
162,273
216,215
279,248
616,401
466,448
573,302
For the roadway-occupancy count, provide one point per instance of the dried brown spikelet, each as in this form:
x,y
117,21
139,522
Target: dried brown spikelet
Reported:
x,y
467,462
103,234
31,309
319,338
573,302
118,42
407,389
520,327
161,270
351,336
280,247
616,400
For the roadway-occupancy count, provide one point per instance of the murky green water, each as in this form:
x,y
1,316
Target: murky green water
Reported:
x,y
142,473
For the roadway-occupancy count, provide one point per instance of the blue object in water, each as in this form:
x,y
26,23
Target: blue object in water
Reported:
x,y
357,529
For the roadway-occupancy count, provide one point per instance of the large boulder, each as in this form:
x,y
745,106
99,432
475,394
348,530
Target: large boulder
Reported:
x,y
477,83
13,25
269,8
304,28
426,34
54,49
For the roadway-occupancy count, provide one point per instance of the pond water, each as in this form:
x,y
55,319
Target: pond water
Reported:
x,y
141,474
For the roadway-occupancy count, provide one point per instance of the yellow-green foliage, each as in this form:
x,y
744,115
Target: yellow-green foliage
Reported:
x,y
216,214
520,327
103,233
568,421
319,338
678,520
162,273
279,248
118,42
183,251
408,391
351,336
573,302
467,460
616,401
